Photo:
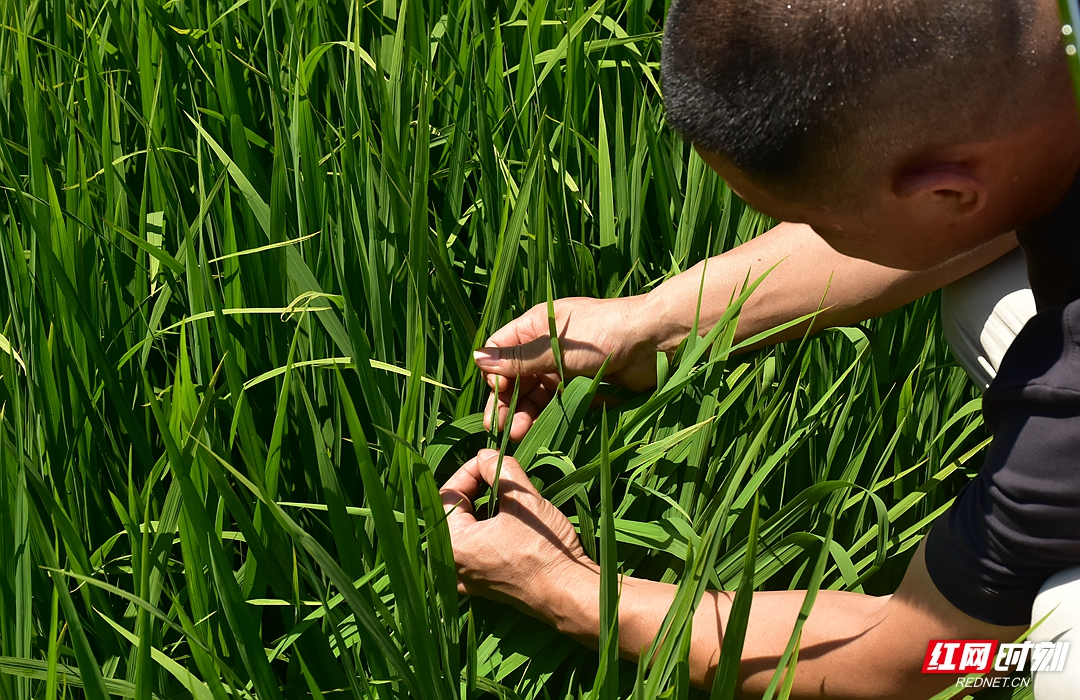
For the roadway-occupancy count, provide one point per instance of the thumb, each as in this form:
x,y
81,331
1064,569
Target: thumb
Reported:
x,y
514,484
532,357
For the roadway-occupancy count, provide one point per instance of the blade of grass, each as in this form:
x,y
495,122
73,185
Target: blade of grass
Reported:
x,y
726,675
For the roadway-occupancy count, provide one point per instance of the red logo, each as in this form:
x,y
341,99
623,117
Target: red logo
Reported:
x,y
959,656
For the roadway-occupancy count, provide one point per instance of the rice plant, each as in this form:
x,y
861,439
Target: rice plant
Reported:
x,y
247,250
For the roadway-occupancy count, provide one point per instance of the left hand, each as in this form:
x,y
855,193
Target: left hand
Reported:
x,y
527,555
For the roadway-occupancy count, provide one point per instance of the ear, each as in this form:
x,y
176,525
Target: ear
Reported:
x,y
953,188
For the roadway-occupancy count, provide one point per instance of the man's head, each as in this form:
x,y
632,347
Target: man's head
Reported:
x,y
835,102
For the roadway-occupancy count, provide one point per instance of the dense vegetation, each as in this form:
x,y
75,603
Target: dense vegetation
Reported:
x,y
247,249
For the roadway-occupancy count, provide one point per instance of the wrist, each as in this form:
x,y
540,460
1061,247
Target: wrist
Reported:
x,y
570,600
664,317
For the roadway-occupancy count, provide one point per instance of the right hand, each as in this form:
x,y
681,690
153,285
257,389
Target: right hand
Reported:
x,y
590,330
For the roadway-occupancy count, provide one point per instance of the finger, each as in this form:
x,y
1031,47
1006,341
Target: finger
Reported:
x,y
505,398
529,408
550,382
502,412
513,482
529,325
531,357
467,480
505,384
458,509
528,389
488,408
458,494
523,419
541,394
498,409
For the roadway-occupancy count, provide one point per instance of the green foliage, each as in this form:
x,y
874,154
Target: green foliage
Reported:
x,y
247,248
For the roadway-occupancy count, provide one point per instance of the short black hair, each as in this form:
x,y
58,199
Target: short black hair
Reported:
x,y
778,87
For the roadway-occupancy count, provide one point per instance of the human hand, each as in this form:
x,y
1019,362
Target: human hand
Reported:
x,y
590,330
527,555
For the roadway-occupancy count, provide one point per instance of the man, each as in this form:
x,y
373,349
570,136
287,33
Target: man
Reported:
x,y
909,139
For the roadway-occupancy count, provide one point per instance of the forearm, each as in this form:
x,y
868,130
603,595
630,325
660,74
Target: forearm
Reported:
x,y
808,275
852,645
843,652
643,604
838,617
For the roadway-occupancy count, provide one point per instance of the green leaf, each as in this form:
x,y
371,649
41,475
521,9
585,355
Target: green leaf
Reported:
x,y
726,675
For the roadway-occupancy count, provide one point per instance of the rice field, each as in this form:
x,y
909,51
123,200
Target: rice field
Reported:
x,y
247,249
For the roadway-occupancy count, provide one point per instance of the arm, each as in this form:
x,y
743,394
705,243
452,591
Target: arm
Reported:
x,y
853,645
632,329
806,268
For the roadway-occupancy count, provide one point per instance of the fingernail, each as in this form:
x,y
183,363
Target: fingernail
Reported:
x,y
486,358
488,453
